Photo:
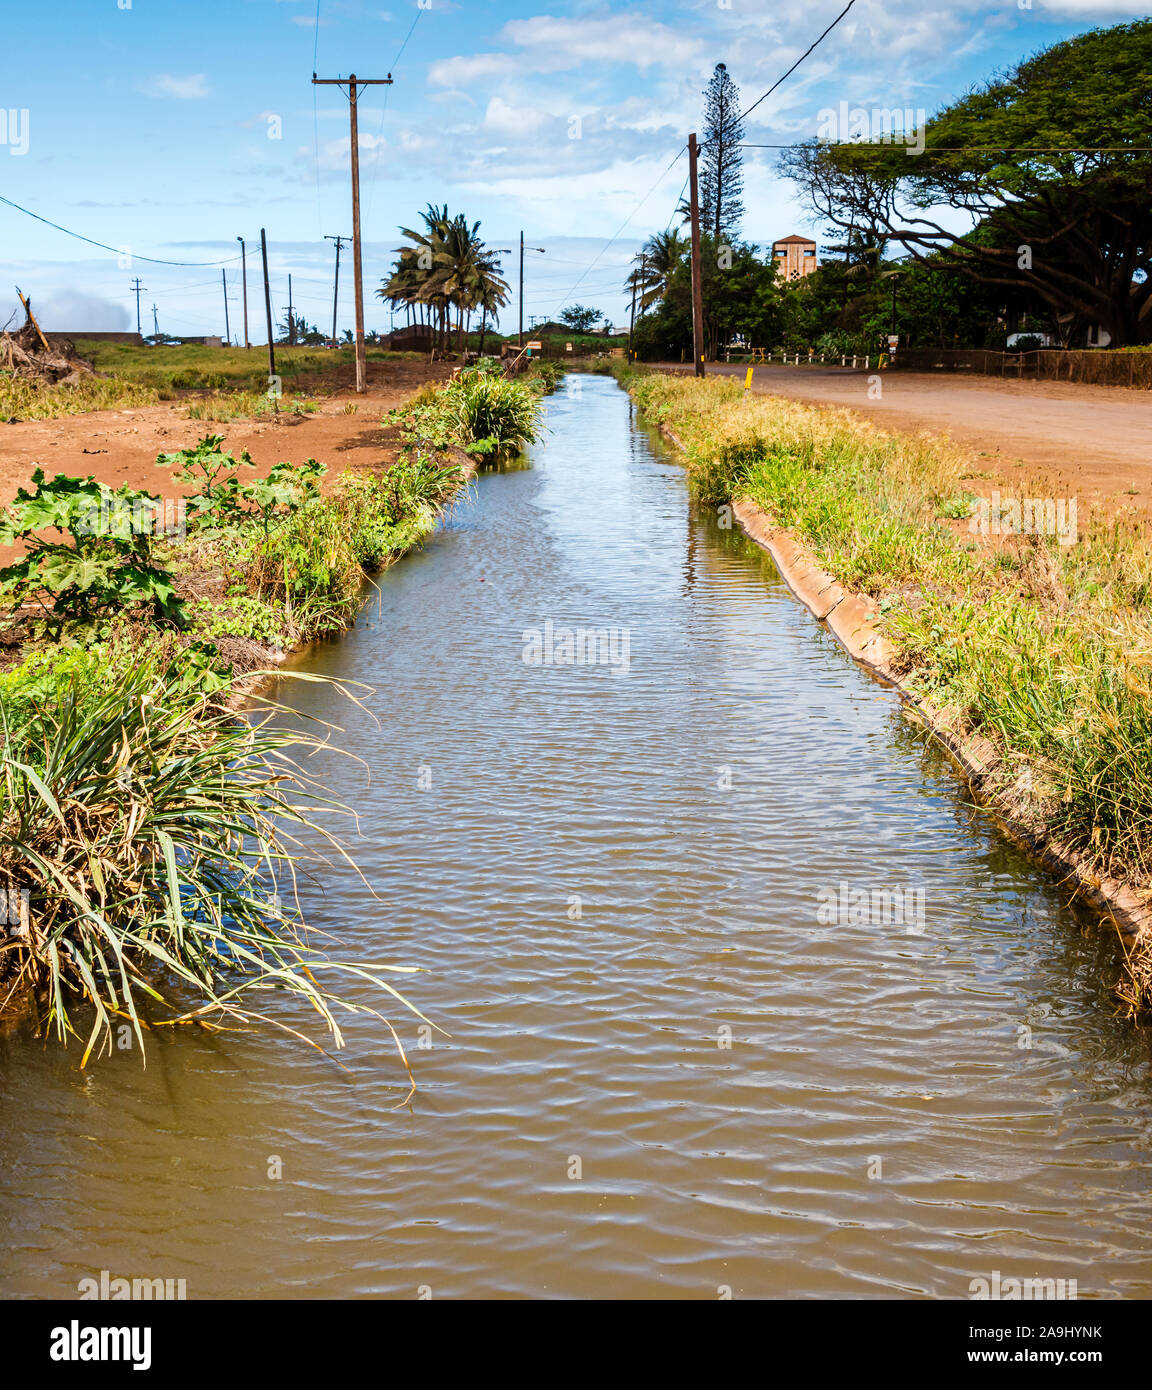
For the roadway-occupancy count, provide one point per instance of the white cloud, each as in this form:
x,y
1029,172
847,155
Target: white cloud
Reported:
x,y
504,119
182,88
1136,9
623,38
549,44
334,154
452,96
459,72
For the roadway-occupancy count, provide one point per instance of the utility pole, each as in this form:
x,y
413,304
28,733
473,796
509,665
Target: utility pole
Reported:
x,y
522,249
697,292
291,319
137,287
637,277
244,275
268,307
155,327
353,83
227,329
339,240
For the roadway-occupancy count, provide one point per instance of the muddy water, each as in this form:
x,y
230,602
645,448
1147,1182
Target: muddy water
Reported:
x,y
666,1074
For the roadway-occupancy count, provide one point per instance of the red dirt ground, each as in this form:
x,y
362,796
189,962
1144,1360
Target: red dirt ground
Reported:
x,y
120,446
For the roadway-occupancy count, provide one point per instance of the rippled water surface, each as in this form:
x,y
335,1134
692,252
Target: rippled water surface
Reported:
x,y
665,1075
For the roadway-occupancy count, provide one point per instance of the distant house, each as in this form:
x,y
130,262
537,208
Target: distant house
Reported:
x,y
796,257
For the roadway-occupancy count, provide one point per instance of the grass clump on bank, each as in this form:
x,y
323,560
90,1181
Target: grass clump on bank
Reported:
x,y
146,830
224,407
1044,648
481,410
152,837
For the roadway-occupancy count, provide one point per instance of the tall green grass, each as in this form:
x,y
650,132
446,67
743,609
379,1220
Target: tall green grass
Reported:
x,y
158,837
480,410
192,366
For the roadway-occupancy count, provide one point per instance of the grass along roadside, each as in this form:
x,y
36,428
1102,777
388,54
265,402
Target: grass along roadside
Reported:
x,y
149,834
1043,648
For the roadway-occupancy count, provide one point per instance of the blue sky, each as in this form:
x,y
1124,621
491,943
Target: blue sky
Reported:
x,y
170,127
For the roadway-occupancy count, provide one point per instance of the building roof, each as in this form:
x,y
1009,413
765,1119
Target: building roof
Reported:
x,y
794,240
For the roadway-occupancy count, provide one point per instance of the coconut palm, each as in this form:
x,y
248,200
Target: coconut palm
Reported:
x,y
662,253
446,266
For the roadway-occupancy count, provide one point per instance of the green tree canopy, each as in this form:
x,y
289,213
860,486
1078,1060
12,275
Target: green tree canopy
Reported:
x,y
580,318
444,267
1050,161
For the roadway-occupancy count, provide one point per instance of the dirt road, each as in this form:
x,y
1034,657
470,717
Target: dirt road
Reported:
x,y
1093,442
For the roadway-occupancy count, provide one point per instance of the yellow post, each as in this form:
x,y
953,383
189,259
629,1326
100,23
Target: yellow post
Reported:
x,y
748,381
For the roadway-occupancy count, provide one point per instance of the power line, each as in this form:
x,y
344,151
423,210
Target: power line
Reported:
x,y
679,200
779,81
384,109
612,241
116,250
316,117
395,61
182,289
810,49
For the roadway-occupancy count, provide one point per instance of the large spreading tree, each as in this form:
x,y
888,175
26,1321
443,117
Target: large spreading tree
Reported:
x,y
1050,162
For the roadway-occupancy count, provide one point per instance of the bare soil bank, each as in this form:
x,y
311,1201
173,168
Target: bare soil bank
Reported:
x,y
120,446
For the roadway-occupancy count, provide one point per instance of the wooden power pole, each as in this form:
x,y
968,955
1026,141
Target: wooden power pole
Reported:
x,y
244,278
137,287
523,248
637,278
352,82
697,292
339,240
268,307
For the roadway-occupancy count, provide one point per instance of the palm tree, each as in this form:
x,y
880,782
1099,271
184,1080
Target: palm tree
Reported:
x,y
491,292
662,253
446,267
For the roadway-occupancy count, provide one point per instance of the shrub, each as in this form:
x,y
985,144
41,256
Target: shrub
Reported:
x,y
106,563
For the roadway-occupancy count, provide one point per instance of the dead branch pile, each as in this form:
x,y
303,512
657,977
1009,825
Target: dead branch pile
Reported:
x,y
28,354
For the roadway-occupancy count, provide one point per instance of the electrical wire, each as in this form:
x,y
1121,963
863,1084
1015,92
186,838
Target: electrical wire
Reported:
x,y
116,250
780,80
810,49
616,236
316,120
384,109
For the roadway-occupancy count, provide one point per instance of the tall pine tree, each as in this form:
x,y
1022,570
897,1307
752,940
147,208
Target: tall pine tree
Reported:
x,y
722,172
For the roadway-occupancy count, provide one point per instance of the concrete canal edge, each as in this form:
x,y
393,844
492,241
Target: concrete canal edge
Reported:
x,y
1002,788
